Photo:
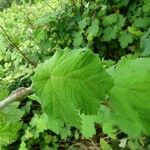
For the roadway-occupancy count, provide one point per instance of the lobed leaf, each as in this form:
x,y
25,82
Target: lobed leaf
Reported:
x,y
71,82
124,39
130,96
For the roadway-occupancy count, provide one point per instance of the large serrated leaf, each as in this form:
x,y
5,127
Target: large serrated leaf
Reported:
x,y
71,82
130,96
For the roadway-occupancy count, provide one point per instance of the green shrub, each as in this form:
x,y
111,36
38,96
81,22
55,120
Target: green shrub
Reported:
x,y
84,95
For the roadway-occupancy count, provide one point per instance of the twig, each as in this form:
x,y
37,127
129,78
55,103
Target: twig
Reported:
x,y
26,17
17,48
18,94
49,6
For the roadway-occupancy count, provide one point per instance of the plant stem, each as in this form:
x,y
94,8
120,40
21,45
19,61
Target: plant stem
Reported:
x,y
18,94
18,49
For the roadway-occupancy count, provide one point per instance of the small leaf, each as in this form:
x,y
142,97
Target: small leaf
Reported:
x,y
109,33
23,146
145,43
121,3
135,31
104,145
124,39
78,39
121,21
109,20
146,6
43,122
93,30
83,23
88,129
142,22
104,118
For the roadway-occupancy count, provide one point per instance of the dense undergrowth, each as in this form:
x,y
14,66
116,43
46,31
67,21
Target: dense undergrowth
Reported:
x,y
91,86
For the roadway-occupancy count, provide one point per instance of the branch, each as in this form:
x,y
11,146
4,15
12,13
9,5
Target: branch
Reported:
x,y
17,48
18,94
49,6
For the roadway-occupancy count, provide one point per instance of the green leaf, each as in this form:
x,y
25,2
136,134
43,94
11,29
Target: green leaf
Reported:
x,y
93,30
9,124
134,145
3,44
146,6
121,21
104,145
43,122
145,43
33,97
142,22
83,23
78,39
45,19
114,19
109,33
23,146
104,118
65,132
111,19
121,3
125,38
88,129
130,95
3,93
135,31
71,82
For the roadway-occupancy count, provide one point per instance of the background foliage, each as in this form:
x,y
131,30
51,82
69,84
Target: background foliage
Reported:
x,y
111,29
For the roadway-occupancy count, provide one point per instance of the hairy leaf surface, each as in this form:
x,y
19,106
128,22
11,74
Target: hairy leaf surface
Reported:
x,y
71,82
130,96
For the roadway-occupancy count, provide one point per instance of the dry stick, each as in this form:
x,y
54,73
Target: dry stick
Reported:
x,y
17,48
18,94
